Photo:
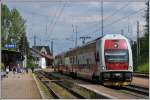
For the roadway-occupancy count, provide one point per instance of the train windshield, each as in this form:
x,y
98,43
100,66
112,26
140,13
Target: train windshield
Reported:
x,y
116,56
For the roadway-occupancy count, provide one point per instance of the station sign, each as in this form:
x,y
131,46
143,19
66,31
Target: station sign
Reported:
x,y
10,46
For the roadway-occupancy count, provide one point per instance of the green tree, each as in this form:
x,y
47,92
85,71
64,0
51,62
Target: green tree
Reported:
x,y
5,23
147,18
13,29
143,63
145,40
23,44
17,28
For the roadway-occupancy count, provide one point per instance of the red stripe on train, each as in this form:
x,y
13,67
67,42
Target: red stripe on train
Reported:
x,y
117,66
115,44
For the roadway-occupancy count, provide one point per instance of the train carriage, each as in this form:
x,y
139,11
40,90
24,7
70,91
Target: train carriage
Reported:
x,y
107,59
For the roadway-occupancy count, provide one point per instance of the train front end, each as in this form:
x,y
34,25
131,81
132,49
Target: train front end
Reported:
x,y
118,65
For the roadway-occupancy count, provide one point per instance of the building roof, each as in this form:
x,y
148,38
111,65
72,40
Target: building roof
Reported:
x,y
44,55
39,48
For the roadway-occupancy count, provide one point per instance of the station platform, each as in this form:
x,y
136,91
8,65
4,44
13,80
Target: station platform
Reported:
x,y
19,86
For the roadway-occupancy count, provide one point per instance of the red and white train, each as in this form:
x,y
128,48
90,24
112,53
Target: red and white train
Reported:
x,y
107,59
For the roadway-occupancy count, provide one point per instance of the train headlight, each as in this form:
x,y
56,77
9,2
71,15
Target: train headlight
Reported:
x,y
130,68
116,45
106,75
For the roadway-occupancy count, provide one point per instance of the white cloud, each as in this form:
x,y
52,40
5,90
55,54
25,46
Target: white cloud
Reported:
x,y
86,15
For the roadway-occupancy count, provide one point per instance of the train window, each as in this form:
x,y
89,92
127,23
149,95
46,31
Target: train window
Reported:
x,y
87,61
71,60
116,56
97,56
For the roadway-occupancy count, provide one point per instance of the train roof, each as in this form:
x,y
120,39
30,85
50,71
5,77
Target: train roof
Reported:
x,y
93,41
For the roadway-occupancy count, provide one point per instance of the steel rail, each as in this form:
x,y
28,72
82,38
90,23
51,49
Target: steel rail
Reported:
x,y
54,94
97,96
137,89
65,87
132,88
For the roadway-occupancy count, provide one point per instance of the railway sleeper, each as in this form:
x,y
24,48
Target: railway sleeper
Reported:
x,y
53,93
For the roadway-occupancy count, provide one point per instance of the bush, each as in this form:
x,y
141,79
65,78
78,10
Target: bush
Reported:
x,y
2,67
31,63
143,68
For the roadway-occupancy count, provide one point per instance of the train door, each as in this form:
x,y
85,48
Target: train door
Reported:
x,y
99,58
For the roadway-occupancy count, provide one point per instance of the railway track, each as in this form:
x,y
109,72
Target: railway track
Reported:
x,y
73,93
136,91
137,74
52,93
53,88
59,83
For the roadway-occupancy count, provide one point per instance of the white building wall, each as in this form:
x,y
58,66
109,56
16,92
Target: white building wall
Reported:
x,y
42,62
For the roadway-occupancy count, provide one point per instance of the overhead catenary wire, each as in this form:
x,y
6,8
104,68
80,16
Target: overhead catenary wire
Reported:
x,y
108,17
74,1
118,20
125,17
53,20
115,12
58,16
46,16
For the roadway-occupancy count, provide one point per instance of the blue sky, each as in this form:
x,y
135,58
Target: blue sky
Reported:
x,y
58,17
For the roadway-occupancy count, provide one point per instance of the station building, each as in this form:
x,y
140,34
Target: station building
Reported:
x,y
42,56
11,58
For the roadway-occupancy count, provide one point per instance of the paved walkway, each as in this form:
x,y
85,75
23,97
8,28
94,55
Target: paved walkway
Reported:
x,y
19,86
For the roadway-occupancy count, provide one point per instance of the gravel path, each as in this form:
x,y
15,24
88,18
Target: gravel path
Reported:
x,y
141,82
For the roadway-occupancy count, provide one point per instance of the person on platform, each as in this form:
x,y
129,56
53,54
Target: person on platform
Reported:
x,y
26,70
32,68
14,70
18,69
7,70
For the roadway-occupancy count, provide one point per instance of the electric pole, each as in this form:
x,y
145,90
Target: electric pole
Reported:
x,y
52,47
76,38
34,40
75,32
102,17
122,31
46,29
138,50
84,38
128,25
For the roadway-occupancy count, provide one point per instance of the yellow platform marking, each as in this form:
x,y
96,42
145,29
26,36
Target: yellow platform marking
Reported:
x,y
116,83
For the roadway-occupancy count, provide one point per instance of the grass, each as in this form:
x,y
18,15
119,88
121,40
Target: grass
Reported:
x,y
44,89
80,90
143,68
62,92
